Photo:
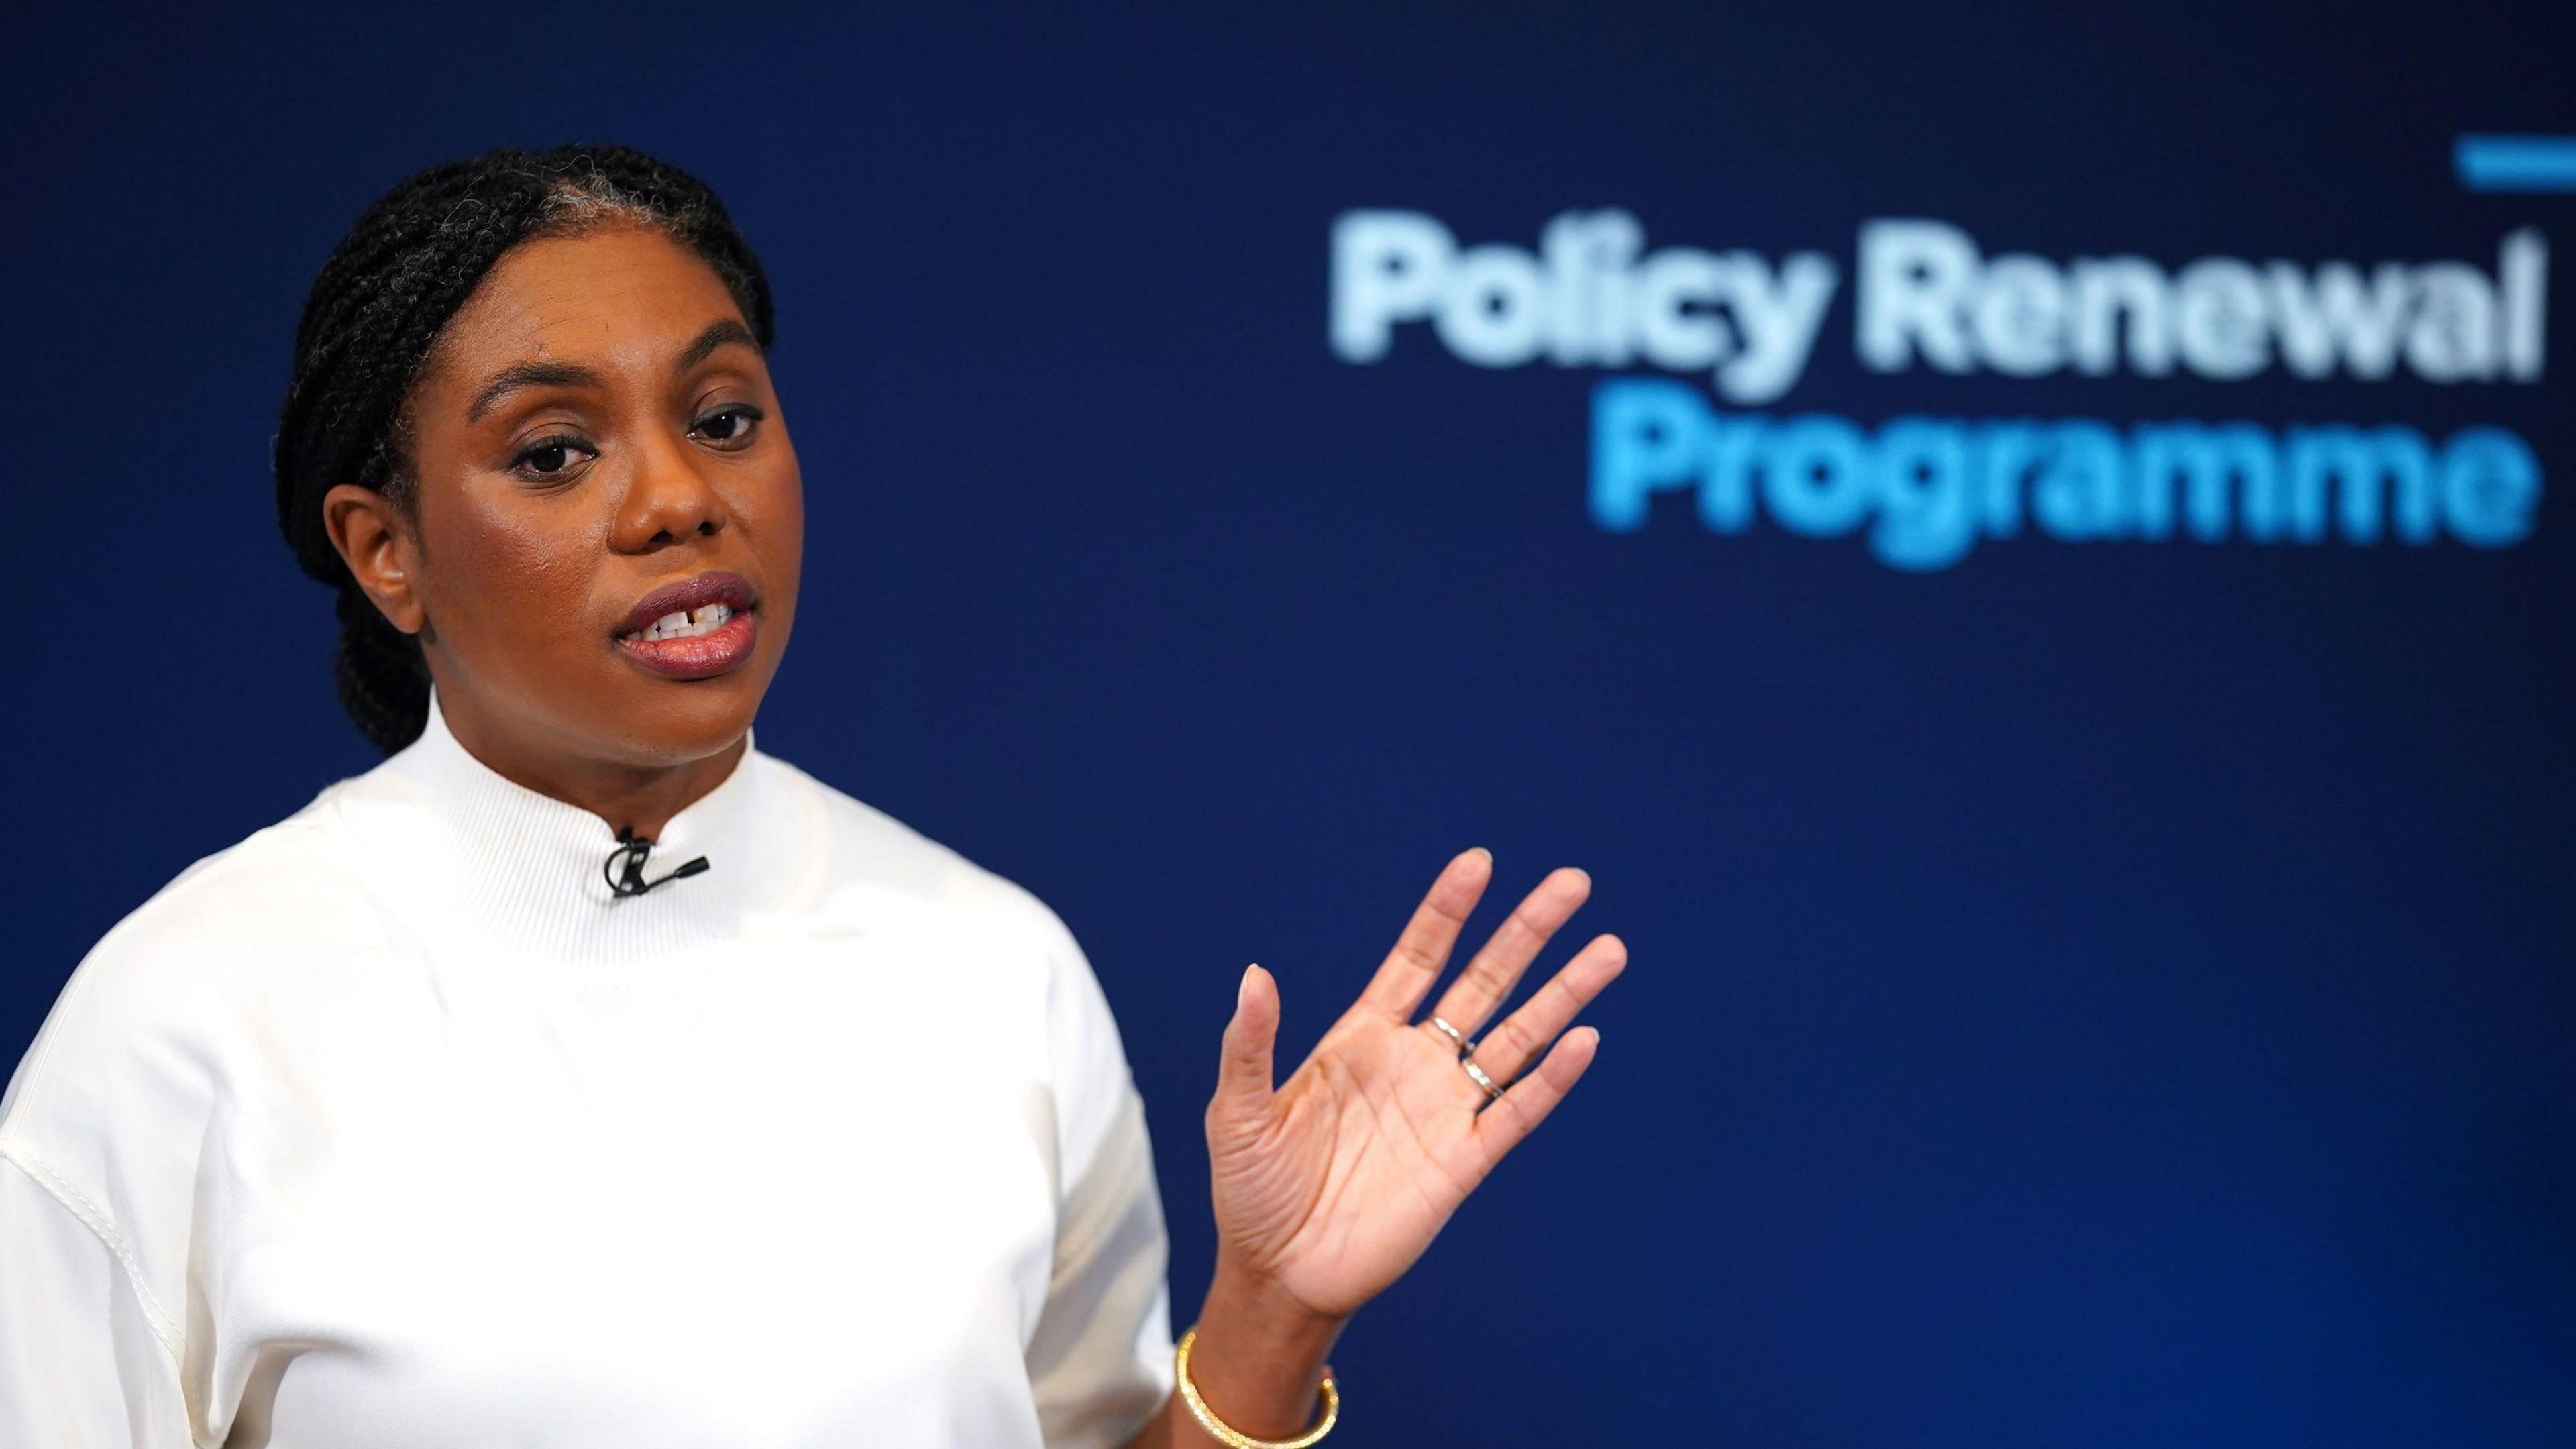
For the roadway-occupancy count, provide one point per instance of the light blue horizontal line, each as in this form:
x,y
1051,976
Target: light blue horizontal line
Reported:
x,y
2515,163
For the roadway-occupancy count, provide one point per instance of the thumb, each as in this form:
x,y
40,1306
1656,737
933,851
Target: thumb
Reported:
x,y
1242,1102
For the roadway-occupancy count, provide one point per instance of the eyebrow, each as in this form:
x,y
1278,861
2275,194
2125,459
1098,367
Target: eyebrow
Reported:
x,y
569,374
716,335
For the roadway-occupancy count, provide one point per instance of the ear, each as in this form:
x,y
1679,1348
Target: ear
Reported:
x,y
375,543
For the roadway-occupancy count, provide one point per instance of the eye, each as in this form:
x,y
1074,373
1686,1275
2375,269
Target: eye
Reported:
x,y
730,426
553,456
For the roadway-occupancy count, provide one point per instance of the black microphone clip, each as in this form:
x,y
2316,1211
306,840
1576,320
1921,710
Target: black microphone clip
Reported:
x,y
624,868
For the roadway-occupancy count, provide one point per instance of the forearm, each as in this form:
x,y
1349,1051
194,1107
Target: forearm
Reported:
x,y
1258,1362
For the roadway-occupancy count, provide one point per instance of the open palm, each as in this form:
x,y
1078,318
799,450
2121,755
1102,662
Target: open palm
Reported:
x,y
1332,1184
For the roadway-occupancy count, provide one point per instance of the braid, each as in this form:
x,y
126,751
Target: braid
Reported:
x,y
372,316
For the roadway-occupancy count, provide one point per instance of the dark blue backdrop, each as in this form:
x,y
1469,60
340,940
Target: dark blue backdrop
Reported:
x,y
2103,994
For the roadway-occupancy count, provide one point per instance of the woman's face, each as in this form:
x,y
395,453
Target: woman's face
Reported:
x,y
597,448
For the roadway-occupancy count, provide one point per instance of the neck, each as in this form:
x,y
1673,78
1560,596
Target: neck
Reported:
x,y
627,793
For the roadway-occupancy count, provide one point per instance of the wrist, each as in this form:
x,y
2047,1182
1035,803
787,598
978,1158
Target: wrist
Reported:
x,y
1252,1301
1258,1360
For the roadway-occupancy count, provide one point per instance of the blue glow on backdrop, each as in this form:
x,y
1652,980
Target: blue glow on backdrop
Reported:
x,y
2027,548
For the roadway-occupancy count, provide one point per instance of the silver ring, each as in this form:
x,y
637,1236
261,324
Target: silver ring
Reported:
x,y
1464,1046
1476,1074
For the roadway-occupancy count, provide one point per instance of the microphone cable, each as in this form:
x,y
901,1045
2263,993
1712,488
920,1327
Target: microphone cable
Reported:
x,y
624,868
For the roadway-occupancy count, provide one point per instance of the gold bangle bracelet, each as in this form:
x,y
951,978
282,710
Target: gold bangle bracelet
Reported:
x,y
1227,1434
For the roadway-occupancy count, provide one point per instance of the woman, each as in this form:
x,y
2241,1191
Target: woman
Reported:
x,y
582,1075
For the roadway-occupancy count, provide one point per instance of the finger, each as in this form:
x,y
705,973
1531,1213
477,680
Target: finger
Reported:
x,y
1481,989
1406,976
1241,1106
1517,1039
1526,1103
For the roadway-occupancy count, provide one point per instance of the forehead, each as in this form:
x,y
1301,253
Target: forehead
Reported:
x,y
625,295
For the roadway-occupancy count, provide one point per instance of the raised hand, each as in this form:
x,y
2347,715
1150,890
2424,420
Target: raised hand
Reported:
x,y
1331,1185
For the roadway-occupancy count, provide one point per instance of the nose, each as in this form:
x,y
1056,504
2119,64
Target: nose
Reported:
x,y
668,499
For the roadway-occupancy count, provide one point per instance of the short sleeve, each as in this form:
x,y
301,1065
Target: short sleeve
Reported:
x,y
1099,1360
83,1363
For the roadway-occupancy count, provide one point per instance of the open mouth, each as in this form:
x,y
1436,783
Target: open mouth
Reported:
x,y
693,629
684,623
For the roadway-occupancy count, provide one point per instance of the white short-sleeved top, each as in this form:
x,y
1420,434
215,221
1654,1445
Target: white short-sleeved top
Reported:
x,y
394,1126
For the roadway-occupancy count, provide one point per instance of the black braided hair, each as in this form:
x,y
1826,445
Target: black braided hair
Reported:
x,y
376,308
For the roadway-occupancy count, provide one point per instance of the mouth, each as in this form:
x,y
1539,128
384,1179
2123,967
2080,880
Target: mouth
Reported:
x,y
693,629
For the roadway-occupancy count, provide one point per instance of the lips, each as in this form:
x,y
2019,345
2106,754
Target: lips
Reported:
x,y
693,629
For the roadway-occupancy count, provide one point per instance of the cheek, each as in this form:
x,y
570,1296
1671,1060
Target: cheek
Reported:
x,y
781,523
512,572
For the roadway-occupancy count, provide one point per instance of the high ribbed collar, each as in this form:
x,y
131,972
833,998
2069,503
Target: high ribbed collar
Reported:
x,y
471,849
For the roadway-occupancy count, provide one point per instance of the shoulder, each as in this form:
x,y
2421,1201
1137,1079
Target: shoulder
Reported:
x,y
1002,939
860,850
137,1013
120,1100
997,936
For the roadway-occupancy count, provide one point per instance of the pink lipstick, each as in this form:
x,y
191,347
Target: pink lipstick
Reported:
x,y
696,628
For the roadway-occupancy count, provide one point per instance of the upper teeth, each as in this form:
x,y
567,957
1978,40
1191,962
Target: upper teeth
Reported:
x,y
680,624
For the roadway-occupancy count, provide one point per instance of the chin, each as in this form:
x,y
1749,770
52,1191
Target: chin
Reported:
x,y
675,721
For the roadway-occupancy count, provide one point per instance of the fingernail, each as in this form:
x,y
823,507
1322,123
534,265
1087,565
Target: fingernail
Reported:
x,y
1243,987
